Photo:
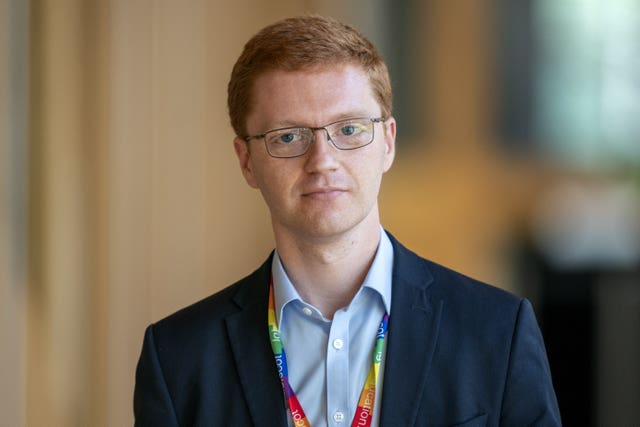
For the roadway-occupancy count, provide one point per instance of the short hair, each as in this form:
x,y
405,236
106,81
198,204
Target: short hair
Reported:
x,y
298,43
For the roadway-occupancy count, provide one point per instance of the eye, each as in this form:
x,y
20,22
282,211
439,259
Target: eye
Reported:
x,y
348,130
351,129
286,138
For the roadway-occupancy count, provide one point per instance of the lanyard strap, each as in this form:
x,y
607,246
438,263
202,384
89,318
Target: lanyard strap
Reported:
x,y
364,411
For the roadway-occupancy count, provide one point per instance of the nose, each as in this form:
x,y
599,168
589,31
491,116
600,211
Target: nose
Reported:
x,y
322,153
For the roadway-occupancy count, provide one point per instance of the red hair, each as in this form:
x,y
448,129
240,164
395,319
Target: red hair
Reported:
x,y
299,43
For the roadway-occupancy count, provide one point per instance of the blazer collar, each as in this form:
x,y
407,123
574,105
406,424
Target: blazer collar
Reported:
x,y
413,332
252,350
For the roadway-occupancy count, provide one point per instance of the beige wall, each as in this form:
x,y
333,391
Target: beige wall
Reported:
x,y
137,207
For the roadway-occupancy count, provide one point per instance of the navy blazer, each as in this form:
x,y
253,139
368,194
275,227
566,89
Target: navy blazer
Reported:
x,y
459,352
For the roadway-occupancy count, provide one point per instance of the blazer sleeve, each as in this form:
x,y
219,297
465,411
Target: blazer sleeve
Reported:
x,y
152,405
529,398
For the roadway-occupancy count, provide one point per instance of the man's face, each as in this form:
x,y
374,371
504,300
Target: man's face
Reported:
x,y
327,191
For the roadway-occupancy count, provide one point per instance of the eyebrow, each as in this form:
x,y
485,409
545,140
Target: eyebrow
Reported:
x,y
336,118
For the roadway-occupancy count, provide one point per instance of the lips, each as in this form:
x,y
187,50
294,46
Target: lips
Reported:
x,y
323,192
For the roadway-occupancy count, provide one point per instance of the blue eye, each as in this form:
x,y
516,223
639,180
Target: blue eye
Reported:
x,y
351,130
287,138
348,130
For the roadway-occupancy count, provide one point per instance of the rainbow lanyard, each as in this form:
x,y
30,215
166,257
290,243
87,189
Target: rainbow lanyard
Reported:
x,y
364,411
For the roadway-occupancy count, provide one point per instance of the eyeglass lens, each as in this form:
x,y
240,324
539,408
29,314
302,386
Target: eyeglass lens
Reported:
x,y
345,135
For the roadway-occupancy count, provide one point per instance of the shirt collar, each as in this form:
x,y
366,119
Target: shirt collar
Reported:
x,y
378,277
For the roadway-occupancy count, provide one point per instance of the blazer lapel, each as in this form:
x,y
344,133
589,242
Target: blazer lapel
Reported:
x,y
413,332
251,348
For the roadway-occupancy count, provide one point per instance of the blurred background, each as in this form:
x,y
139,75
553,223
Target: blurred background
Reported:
x,y
121,201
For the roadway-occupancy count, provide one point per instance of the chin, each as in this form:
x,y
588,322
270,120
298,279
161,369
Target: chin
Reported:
x,y
326,228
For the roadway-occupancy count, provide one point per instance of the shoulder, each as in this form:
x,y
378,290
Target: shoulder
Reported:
x,y
411,267
208,315
459,294
486,351
458,288
185,353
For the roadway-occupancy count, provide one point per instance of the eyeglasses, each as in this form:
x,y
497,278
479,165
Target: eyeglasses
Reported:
x,y
347,134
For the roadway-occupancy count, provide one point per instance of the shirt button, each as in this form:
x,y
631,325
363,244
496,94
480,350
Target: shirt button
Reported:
x,y
307,311
338,344
338,417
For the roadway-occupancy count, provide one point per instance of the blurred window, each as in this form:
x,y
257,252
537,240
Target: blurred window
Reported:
x,y
571,83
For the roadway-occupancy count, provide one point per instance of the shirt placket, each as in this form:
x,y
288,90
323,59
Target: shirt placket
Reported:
x,y
337,371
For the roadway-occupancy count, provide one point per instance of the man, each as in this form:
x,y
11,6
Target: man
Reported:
x,y
342,324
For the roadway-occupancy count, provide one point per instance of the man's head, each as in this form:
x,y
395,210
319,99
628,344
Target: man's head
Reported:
x,y
301,43
310,102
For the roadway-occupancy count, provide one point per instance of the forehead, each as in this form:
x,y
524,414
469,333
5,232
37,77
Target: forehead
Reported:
x,y
311,97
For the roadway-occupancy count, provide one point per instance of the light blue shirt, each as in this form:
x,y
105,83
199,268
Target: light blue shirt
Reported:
x,y
329,360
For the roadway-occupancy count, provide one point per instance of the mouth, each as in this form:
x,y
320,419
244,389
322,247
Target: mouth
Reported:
x,y
324,193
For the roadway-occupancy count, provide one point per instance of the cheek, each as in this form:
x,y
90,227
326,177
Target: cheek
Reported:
x,y
273,178
368,171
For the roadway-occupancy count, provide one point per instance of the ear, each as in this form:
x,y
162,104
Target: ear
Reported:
x,y
241,148
389,142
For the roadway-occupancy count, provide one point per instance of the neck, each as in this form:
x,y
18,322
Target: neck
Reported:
x,y
327,272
